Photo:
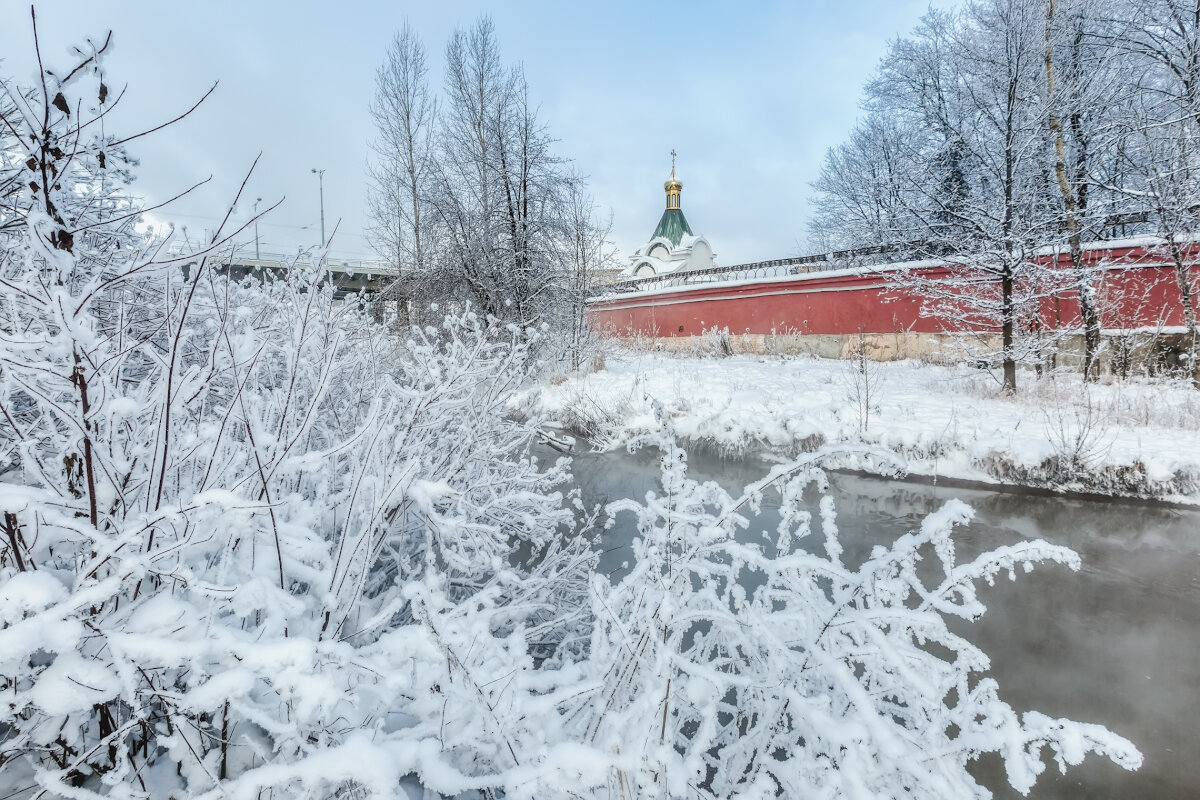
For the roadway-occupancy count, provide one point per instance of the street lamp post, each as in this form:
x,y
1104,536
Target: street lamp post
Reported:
x,y
320,173
257,257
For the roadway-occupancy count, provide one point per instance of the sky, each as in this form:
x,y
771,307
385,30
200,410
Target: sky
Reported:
x,y
749,94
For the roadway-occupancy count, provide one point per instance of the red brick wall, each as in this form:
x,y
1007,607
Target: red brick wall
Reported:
x,y
1134,289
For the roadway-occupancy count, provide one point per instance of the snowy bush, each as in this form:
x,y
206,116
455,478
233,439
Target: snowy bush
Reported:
x,y
244,534
235,539
713,342
737,668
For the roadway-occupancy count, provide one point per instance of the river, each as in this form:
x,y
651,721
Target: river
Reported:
x,y
1116,643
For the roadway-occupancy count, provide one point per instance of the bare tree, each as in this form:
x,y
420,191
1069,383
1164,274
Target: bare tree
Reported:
x,y
1154,139
588,252
468,196
1073,191
861,187
1009,127
1168,169
946,166
465,198
498,189
1165,36
997,49
405,114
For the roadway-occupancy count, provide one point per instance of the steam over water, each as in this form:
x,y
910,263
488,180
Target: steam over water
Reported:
x,y
1117,643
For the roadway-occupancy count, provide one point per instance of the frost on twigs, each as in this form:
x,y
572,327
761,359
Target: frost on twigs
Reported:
x,y
770,668
248,548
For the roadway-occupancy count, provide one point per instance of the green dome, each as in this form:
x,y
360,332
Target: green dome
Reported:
x,y
672,226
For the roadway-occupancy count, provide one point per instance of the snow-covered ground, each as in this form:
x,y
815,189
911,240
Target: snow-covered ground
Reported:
x,y
1137,437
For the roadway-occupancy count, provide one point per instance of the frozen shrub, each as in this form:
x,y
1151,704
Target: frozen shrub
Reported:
x,y
779,669
250,547
714,342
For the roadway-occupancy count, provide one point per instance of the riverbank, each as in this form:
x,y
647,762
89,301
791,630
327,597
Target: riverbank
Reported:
x,y
1135,438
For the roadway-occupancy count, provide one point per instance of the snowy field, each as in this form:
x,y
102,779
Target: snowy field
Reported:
x,y
1137,438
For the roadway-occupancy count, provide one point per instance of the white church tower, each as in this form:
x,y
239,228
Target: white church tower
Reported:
x,y
672,247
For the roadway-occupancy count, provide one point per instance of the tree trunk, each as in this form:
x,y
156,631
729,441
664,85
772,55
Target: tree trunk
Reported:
x,y
1087,302
1008,329
1183,279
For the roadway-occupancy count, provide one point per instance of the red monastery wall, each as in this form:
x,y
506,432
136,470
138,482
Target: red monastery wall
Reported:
x,y
817,304
1136,290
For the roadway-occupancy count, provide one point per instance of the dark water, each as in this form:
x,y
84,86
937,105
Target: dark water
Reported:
x,y
1116,643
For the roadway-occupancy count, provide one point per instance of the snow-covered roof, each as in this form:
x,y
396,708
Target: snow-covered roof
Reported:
x,y
676,251
660,266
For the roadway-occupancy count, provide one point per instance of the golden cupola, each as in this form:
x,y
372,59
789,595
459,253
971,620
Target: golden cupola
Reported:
x,y
674,189
673,226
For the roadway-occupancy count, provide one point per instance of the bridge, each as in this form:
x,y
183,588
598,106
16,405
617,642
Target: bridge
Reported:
x,y
350,276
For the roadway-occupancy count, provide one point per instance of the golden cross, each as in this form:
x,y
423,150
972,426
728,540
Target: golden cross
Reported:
x,y
672,162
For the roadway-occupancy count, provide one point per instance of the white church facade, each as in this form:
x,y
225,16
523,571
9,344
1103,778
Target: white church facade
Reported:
x,y
672,247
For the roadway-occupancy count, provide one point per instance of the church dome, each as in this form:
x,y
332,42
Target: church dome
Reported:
x,y
672,247
673,224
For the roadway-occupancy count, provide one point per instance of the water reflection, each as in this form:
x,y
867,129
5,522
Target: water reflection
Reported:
x,y
1116,643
